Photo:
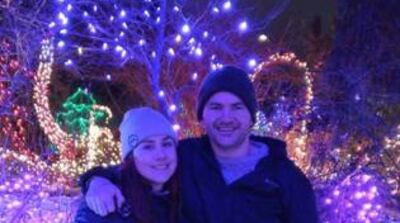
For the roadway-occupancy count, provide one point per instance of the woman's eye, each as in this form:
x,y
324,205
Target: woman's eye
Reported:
x,y
147,147
238,107
168,144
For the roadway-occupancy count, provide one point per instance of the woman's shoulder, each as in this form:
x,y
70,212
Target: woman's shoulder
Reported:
x,y
85,215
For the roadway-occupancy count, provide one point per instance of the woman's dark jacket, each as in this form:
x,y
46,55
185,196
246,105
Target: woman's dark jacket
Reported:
x,y
124,214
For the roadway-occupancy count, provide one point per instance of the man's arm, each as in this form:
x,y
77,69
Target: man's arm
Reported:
x,y
85,215
101,194
110,173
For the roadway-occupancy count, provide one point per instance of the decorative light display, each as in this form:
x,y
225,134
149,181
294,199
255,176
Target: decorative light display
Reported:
x,y
393,143
299,135
73,160
41,103
360,198
13,119
76,112
35,188
15,127
32,191
114,39
391,158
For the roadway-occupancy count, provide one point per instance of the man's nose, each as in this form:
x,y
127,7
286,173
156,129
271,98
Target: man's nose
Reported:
x,y
226,114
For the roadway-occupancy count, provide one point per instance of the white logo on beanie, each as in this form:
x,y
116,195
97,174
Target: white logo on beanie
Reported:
x,y
133,140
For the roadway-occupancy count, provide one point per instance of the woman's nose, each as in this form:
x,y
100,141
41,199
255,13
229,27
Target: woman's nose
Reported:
x,y
161,154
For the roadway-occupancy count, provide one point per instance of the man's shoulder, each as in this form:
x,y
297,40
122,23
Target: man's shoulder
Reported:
x,y
276,147
268,140
277,152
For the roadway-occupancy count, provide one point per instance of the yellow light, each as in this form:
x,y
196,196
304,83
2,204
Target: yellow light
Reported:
x,y
300,135
69,163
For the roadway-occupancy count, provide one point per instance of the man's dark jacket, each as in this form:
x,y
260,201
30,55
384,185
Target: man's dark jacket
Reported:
x,y
275,192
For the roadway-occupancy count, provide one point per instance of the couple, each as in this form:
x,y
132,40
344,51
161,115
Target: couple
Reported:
x,y
226,176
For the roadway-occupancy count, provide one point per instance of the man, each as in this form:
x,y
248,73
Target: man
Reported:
x,y
227,175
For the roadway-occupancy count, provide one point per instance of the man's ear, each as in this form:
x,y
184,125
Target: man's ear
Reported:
x,y
201,126
252,124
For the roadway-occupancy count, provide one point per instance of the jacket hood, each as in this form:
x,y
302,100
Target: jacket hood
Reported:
x,y
277,147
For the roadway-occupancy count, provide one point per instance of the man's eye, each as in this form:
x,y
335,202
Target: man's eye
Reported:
x,y
215,107
238,107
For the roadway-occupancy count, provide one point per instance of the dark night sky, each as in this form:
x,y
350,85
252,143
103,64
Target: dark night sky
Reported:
x,y
296,19
296,11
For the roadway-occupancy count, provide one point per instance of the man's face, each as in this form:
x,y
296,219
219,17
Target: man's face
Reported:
x,y
226,120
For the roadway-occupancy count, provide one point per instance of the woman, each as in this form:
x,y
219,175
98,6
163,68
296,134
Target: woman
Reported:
x,y
147,174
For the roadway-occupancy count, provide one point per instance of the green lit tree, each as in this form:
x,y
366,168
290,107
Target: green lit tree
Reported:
x,y
74,115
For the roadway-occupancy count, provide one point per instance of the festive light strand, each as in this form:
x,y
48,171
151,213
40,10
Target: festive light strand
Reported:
x,y
70,162
300,140
41,102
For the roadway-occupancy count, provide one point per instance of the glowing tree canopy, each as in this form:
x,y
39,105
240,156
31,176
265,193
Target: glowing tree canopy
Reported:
x,y
164,46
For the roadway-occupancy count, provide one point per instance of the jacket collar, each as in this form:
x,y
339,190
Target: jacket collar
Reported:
x,y
277,148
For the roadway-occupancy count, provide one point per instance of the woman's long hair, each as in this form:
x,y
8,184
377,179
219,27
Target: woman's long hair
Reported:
x,y
137,191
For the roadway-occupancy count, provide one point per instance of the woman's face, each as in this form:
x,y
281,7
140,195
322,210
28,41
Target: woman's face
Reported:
x,y
156,160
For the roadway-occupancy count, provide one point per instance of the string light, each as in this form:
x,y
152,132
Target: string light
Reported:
x,y
227,5
262,38
252,63
52,24
185,29
13,125
176,127
41,102
178,38
68,163
195,76
243,26
360,197
198,52
122,14
215,10
66,167
61,44
171,52
172,108
300,140
391,157
104,46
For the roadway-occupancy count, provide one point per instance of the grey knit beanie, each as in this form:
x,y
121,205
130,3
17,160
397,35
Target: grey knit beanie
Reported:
x,y
140,123
230,79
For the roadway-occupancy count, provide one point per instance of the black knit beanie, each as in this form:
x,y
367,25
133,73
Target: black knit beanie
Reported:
x,y
230,79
